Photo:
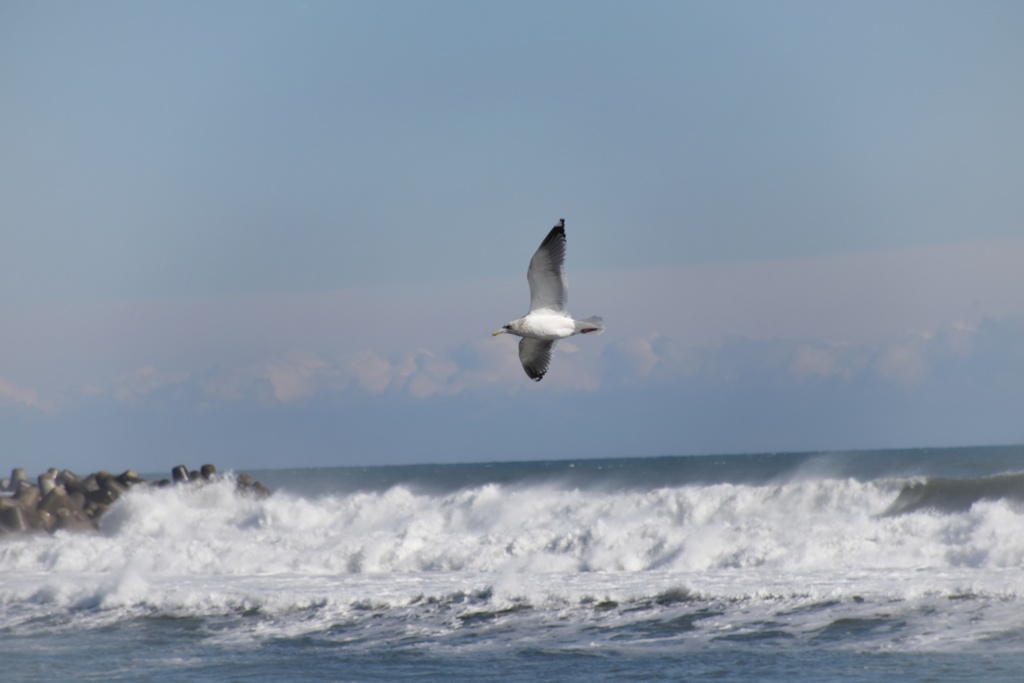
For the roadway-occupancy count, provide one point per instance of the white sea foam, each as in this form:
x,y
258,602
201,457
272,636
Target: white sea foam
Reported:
x,y
778,550
803,526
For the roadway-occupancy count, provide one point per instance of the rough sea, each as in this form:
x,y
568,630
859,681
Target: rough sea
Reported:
x,y
857,566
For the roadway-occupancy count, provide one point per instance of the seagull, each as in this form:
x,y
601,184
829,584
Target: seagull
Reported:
x,y
548,320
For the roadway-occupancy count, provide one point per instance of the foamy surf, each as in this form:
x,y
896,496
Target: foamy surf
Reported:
x,y
800,560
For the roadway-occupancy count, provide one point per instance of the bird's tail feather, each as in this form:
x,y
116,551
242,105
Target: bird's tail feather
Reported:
x,y
591,325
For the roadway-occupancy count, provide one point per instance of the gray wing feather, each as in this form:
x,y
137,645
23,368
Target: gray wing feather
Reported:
x,y
548,285
535,355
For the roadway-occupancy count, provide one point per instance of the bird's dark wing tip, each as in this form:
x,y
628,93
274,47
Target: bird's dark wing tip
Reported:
x,y
535,373
557,232
535,356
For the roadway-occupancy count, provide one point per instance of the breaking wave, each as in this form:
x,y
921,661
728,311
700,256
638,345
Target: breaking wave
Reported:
x,y
800,555
797,526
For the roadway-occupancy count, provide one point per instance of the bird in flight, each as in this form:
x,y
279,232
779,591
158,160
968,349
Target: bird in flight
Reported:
x,y
548,320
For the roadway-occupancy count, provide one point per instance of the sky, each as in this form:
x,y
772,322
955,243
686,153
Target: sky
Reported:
x,y
279,234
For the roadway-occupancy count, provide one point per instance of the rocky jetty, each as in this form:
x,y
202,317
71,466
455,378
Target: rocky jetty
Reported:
x,y
62,500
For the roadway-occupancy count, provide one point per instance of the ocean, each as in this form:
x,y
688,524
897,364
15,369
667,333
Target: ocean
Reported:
x,y
857,566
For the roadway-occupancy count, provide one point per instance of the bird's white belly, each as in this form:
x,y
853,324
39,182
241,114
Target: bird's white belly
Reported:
x,y
548,326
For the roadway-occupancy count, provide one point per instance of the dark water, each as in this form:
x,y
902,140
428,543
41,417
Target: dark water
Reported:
x,y
645,473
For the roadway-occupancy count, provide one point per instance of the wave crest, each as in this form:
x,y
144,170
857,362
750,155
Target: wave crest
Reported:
x,y
798,526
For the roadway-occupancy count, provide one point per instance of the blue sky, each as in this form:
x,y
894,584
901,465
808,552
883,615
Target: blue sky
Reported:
x,y
267,234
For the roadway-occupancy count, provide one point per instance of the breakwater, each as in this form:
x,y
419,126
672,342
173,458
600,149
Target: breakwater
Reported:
x,y
62,500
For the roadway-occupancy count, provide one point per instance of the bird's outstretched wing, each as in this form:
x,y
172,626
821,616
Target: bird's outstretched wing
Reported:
x,y
549,287
535,355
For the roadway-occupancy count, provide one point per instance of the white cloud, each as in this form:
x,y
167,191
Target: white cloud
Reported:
x,y
959,338
815,361
433,375
13,394
642,356
295,376
824,361
739,324
904,360
573,368
130,387
493,365
226,386
901,364
826,395
651,359
373,372
282,378
424,373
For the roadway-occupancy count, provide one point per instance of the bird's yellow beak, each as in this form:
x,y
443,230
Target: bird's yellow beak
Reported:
x,y
497,332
